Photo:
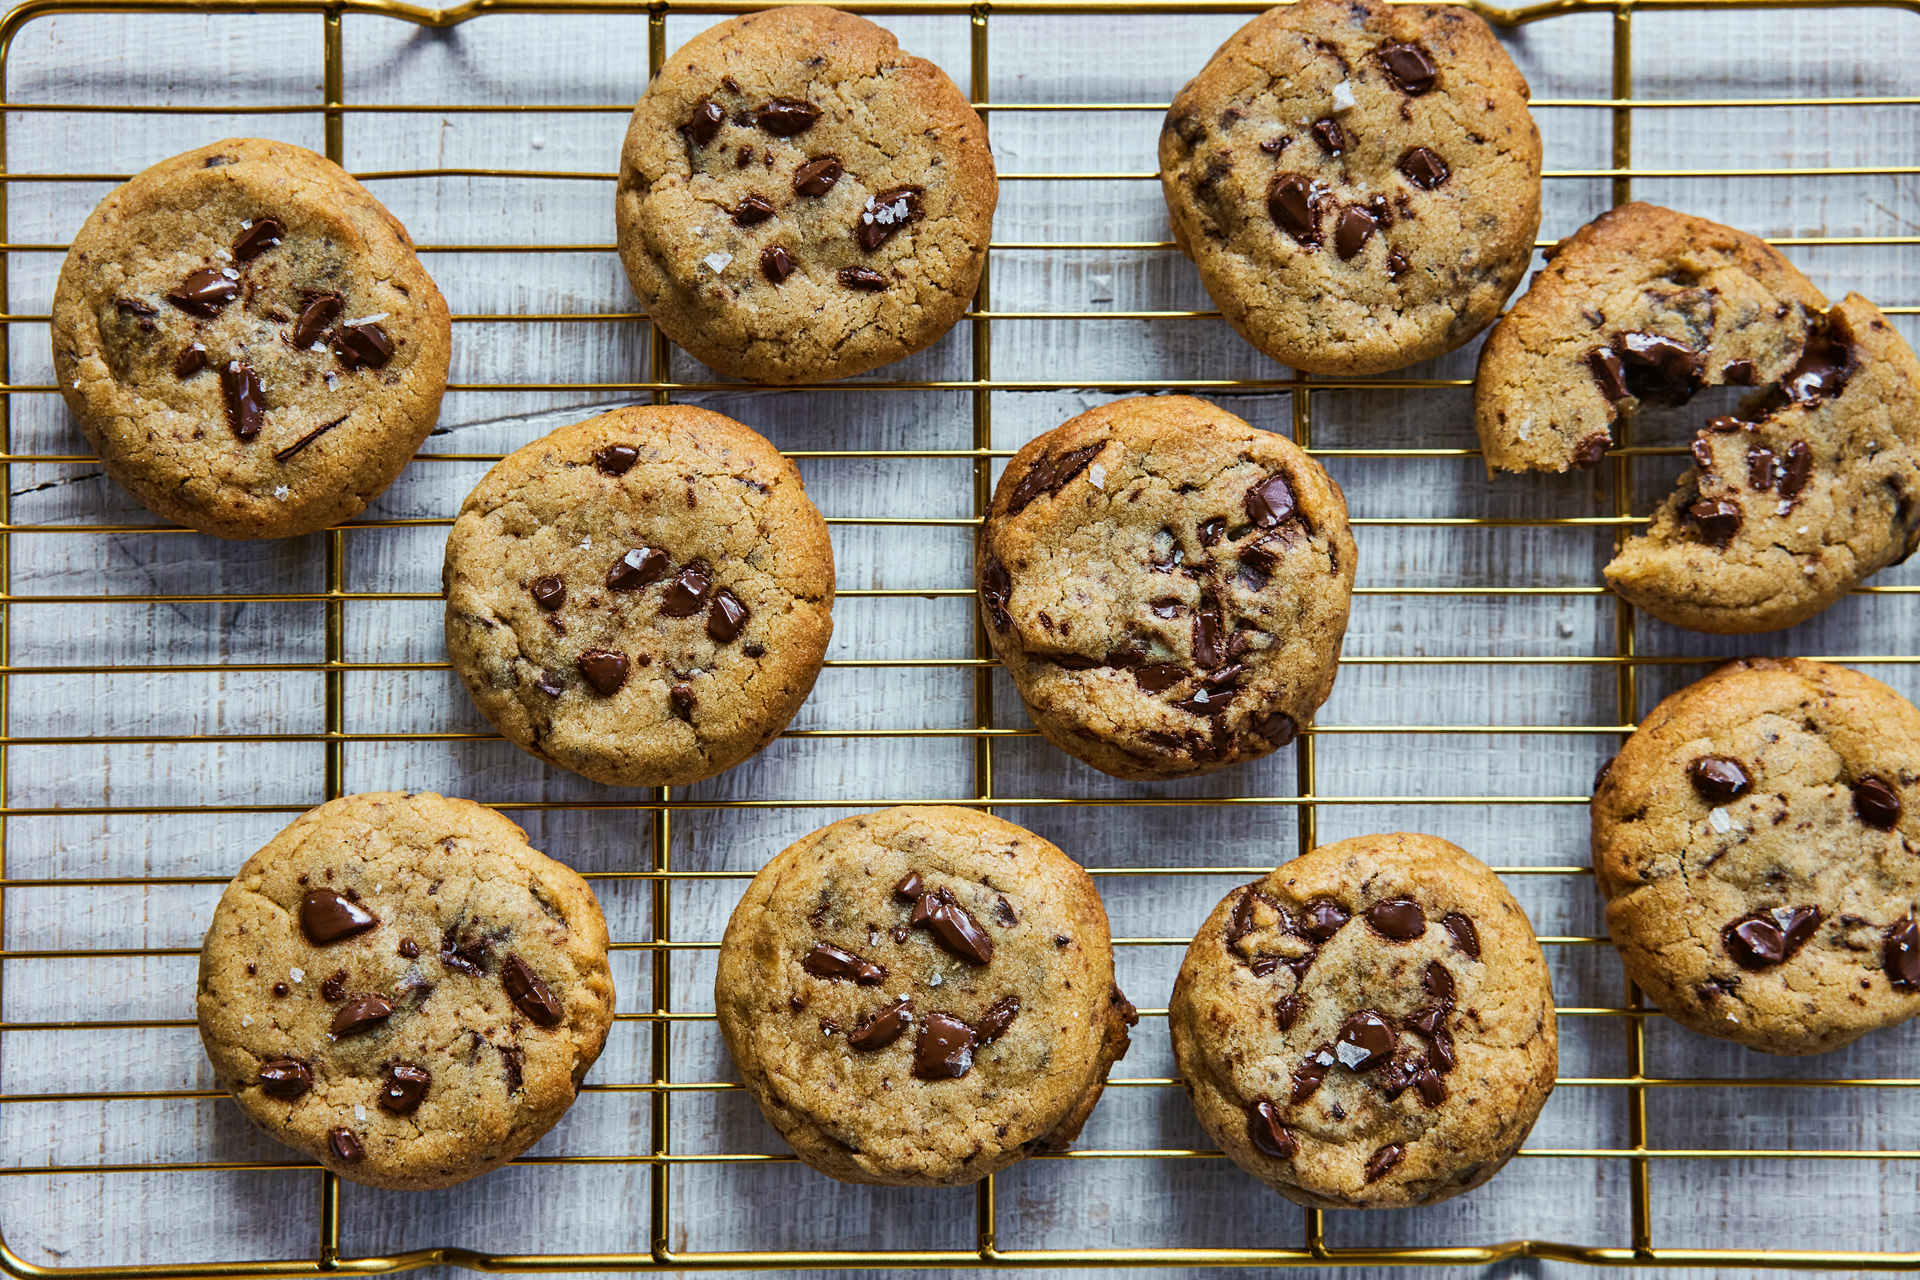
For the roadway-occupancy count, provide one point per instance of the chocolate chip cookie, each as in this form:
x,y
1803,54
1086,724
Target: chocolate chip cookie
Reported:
x,y
921,996
1811,488
1167,586
1358,183
1758,847
643,598
1642,306
1369,1027
247,339
400,987
799,200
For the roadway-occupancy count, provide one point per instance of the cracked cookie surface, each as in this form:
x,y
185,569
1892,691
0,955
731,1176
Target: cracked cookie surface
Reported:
x,y
1759,852
1370,1026
1167,586
1358,184
644,598
921,996
247,339
399,986
800,201
1641,305
1813,487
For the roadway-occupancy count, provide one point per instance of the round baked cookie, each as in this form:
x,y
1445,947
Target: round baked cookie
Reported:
x,y
1640,306
643,598
1358,183
1811,489
1369,1027
248,341
1167,587
799,200
921,996
1756,843
400,987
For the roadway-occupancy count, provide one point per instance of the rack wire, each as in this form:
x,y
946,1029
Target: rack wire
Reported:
x,y
663,946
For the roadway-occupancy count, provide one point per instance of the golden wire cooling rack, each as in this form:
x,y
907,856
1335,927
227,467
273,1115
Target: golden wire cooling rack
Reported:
x,y
663,1088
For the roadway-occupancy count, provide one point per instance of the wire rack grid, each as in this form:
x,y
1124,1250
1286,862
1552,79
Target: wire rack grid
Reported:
x,y
659,948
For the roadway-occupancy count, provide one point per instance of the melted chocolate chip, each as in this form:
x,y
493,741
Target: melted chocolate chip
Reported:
x,y
257,239
751,211
137,307
1397,918
326,916
1324,917
1430,1087
1291,205
361,1015
530,995
687,594
1768,938
1798,470
944,1048
1049,476
910,887
776,264
1351,233
1286,1011
1382,1162
550,593
1396,265
1363,1042
1423,168
604,669
1209,634
1276,727
1311,1074
335,987
1762,466
345,1146
680,699
830,962
637,568
1725,426
1740,373
1609,374
1210,531
245,399
886,215
550,684
1821,372
816,177
1267,1134
1270,502
1588,452
754,650
192,360
406,1089
786,117
863,280
1158,677
1659,370
280,989
464,955
513,1062
727,617
1331,137
953,926
1410,69
1718,520
1440,1055
204,292
995,588
1718,779
615,459
1900,953
996,1020
882,1029
285,1078
355,345
1466,938
1876,803
319,312
1436,980
705,124
409,948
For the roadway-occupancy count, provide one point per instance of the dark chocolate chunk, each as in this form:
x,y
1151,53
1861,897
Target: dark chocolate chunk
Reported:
x,y
1209,634
1267,1134
335,987
910,887
326,916
1659,370
1210,531
1762,467
1397,918
1324,918
245,399
1440,1055
1050,475
953,926
754,650
1740,373
529,994
944,1048
192,359
280,989
995,588
604,669
1286,1011
1409,67
996,1020
816,177
1821,372
204,292
886,215
1423,168
705,124
319,313
1466,938
1768,938
1431,1088
138,307
1718,779
1609,374
513,1063
345,1146
1876,803
1702,454
1363,1042
1311,1074
1291,205
550,684
1351,233
615,459
409,948
366,343
1168,607
1331,137
285,1078
1725,425
1158,677
882,1029
406,1088
751,211
637,568
786,117
680,699
361,1015
727,617
257,239
1270,502
687,594
776,264
550,592
830,962
1719,520
1396,265
1276,727
466,955
1798,469
1900,953
1381,1162
862,279
1436,980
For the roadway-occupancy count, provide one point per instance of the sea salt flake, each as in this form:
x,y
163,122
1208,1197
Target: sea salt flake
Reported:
x,y
233,366
1351,1055
1786,505
1803,528
333,380
1342,95
359,1113
1324,1058
229,273
1808,569
318,348
1719,821
1782,916
1097,476
375,318
935,980
717,262
223,255
281,491
246,224
298,975
246,1019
